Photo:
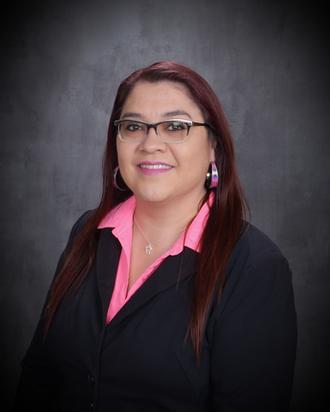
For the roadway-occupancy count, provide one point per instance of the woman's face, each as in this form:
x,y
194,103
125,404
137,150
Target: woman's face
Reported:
x,y
186,163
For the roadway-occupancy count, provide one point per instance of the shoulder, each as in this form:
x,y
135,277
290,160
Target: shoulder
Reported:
x,y
257,272
254,247
258,242
79,223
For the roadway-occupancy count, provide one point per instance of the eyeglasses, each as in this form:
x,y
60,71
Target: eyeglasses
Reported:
x,y
170,131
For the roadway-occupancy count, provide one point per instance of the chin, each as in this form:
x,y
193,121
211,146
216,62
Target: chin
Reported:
x,y
152,195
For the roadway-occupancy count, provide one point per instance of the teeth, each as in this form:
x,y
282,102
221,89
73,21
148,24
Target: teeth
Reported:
x,y
158,166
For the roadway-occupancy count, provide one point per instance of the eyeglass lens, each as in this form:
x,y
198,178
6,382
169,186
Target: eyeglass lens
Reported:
x,y
170,131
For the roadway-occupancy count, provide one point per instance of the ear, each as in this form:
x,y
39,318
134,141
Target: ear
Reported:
x,y
212,153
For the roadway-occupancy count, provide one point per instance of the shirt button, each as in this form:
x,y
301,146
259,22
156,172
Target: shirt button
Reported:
x,y
91,379
92,405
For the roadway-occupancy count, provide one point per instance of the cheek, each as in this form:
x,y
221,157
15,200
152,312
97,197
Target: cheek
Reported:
x,y
197,159
123,155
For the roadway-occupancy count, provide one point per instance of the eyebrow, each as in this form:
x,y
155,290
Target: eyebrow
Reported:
x,y
131,114
176,113
167,114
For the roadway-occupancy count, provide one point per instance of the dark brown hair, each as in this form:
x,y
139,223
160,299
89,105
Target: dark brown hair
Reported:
x,y
227,214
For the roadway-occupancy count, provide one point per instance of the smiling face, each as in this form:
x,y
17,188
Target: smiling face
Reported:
x,y
164,172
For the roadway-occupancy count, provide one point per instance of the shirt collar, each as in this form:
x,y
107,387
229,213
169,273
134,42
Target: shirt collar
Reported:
x,y
120,218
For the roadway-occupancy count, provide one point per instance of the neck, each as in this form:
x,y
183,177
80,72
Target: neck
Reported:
x,y
165,219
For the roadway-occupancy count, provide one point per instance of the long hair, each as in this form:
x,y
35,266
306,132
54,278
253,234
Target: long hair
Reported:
x,y
227,213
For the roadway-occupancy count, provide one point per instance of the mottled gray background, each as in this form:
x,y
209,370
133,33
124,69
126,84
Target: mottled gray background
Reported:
x,y
61,65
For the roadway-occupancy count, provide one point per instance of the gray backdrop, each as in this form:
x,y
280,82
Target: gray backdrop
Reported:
x,y
62,63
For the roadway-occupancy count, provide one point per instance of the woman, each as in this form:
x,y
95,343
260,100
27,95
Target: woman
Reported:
x,y
165,298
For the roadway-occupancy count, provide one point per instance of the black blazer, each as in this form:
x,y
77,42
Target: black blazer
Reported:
x,y
139,362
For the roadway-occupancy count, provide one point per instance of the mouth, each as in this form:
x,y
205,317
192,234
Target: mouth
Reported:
x,y
154,167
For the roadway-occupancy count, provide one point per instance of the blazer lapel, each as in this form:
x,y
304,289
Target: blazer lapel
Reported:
x,y
170,272
107,258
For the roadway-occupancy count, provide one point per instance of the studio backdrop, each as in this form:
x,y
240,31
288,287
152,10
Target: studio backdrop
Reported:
x,y
61,65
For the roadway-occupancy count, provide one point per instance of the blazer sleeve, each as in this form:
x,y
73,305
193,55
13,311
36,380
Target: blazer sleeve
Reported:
x,y
38,380
254,342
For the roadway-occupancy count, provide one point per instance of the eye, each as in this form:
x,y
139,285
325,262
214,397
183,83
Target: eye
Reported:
x,y
132,126
176,126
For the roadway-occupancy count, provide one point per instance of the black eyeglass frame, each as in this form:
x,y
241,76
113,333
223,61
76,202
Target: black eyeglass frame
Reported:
x,y
189,123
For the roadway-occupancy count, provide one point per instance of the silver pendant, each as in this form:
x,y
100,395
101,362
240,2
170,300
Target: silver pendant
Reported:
x,y
148,249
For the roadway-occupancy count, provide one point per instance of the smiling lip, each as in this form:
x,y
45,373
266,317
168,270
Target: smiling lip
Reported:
x,y
154,168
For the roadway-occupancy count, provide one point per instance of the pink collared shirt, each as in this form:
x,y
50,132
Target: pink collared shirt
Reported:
x,y
121,220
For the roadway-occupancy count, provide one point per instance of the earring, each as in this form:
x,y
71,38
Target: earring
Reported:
x,y
115,183
212,176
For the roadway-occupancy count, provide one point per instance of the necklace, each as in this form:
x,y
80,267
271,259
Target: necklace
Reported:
x,y
148,248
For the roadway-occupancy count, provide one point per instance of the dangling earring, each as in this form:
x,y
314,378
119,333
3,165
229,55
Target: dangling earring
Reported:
x,y
212,176
115,183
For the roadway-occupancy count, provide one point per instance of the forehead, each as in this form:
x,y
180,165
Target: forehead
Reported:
x,y
157,98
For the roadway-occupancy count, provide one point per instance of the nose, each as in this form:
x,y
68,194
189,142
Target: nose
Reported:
x,y
152,142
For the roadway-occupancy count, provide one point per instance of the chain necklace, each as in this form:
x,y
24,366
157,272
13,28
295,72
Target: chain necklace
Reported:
x,y
148,248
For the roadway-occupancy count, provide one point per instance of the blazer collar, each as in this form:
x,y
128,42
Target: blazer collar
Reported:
x,y
171,271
